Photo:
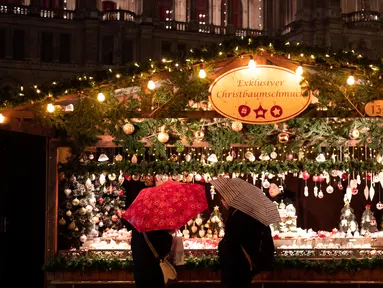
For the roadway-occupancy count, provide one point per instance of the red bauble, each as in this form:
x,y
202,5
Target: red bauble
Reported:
x,y
315,178
101,200
305,175
340,186
128,177
321,178
344,176
354,191
369,175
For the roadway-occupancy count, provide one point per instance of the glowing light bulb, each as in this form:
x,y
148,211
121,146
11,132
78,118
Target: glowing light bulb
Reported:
x,y
299,71
252,65
151,85
202,73
2,118
50,108
101,97
351,80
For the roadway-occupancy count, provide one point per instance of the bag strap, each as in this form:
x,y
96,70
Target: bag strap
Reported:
x,y
151,246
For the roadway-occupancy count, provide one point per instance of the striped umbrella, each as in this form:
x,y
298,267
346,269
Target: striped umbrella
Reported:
x,y
247,198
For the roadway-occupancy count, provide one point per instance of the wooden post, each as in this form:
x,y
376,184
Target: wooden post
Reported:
x,y
51,212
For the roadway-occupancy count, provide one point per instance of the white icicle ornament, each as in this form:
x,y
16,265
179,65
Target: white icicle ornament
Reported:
x,y
102,179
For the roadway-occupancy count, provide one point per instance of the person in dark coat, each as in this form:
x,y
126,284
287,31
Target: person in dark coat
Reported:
x,y
277,194
243,231
147,270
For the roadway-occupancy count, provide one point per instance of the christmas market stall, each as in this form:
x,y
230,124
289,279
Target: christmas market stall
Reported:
x,y
299,119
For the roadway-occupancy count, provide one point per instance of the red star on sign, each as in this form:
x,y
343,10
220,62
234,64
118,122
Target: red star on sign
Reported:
x,y
260,112
276,111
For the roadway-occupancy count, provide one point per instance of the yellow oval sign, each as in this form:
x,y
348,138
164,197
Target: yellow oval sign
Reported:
x,y
374,108
264,95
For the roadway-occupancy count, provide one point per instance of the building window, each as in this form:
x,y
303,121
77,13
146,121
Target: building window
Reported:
x,y
18,45
165,10
202,11
166,49
3,38
127,54
65,48
109,5
231,13
47,47
107,50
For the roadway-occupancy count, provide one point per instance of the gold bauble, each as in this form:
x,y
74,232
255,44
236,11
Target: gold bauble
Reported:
x,y
174,157
62,221
128,128
163,137
118,158
82,211
236,126
199,135
283,137
75,202
72,226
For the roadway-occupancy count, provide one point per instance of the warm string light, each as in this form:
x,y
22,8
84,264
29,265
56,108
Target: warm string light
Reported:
x,y
351,79
299,71
151,85
202,73
50,108
252,65
101,97
2,118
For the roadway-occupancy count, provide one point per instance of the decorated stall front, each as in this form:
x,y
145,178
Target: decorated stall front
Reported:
x,y
275,114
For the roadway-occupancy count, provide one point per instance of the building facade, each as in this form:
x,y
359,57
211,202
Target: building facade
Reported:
x,y
45,40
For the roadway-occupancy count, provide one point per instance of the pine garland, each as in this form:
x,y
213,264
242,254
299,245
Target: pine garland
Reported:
x,y
63,263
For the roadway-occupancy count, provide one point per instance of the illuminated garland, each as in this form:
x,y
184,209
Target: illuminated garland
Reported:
x,y
183,87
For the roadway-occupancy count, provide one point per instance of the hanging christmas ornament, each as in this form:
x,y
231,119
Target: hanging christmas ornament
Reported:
x,y
112,177
273,155
121,178
188,157
266,184
102,179
75,202
315,191
163,137
103,158
67,191
118,158
201,232
290,157
354,134
306,191
320,194
315,178
379,205
329,189
91,157
283,137
236,126
62,222
212,192
197,177
199,135
320,158
72,225
128,128
68,213
305,175
366,190
134,159
229,158
212,158
89,208
264,157
348,193
174,158
248,154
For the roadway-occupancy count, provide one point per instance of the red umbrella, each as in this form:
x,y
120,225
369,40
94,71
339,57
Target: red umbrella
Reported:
x,y
166,207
